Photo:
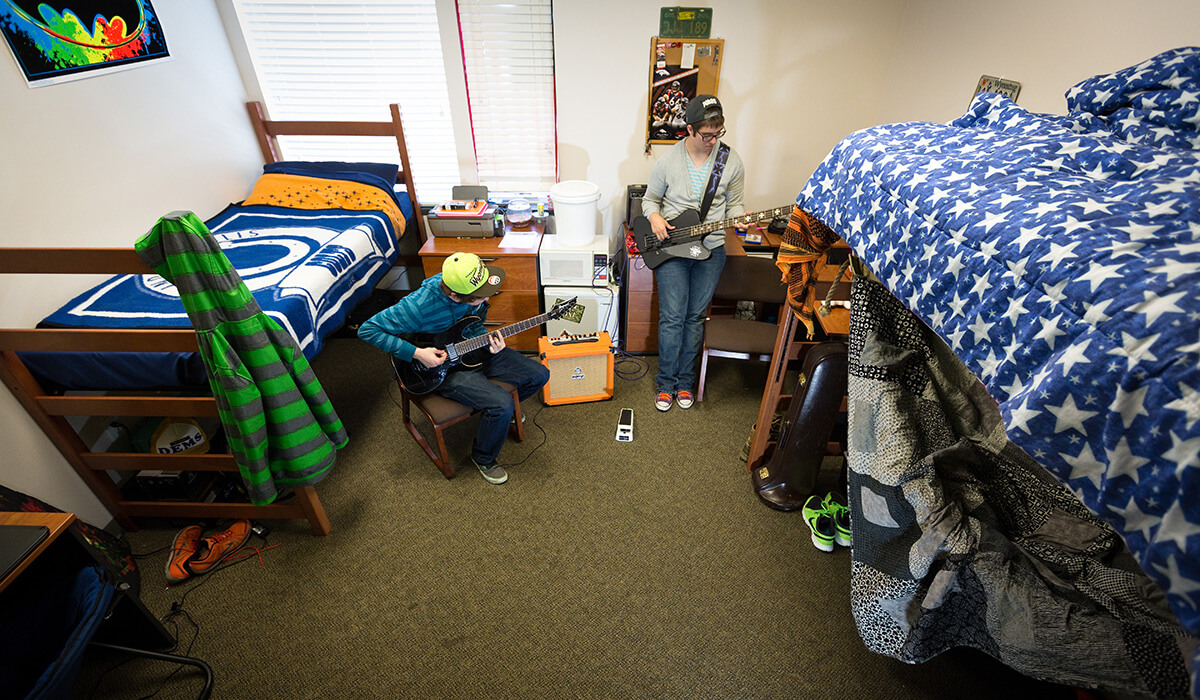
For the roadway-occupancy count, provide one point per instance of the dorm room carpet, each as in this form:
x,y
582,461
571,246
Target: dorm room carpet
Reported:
x,y
601,569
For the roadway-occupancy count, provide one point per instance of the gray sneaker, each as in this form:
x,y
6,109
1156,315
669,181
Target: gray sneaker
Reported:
x,y
494,473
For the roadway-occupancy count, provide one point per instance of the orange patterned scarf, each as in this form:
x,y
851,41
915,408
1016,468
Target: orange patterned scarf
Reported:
x,y
804,242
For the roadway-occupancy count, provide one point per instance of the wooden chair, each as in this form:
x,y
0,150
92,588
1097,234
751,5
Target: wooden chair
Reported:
x,y
443,413
745,278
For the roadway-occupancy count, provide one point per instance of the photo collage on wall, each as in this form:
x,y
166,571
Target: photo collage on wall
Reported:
x,y
680,69
670,91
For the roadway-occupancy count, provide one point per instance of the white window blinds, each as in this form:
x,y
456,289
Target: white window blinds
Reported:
x,y
339,60
508,55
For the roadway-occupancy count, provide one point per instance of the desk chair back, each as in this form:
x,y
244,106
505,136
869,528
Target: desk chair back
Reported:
x,y
745,278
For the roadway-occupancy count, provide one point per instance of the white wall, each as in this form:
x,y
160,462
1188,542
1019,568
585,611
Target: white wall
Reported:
x,y
96,162
99,160
1046,45
797,76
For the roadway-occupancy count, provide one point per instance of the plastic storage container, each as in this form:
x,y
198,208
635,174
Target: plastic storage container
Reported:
x,y
575,212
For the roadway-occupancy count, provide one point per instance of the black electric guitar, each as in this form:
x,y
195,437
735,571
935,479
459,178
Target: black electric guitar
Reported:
x,y
686,240
471,352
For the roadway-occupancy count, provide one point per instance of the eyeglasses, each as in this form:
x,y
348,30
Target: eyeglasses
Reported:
x,y
710,137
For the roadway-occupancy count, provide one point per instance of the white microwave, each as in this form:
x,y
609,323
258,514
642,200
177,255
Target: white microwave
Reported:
x,y
574,267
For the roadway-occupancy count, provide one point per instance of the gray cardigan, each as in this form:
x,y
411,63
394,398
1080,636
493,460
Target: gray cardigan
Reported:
x,y
669,191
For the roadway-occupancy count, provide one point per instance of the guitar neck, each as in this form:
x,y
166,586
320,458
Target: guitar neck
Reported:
x,y
750,218
471,344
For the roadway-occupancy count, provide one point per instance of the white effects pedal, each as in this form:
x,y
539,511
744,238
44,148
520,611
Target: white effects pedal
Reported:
x,y
625,426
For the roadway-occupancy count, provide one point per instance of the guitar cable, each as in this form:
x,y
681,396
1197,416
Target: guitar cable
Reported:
x,y
621,358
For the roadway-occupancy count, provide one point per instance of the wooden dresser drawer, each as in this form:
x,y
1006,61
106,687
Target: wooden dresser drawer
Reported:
x,y
513,305
519,273
641,337
641,277
518,298
643,308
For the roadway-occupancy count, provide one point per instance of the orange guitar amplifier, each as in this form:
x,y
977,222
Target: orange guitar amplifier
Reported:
x,y
581,368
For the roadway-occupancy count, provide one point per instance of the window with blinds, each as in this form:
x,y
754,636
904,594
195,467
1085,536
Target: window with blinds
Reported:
x,y
348,61
508,56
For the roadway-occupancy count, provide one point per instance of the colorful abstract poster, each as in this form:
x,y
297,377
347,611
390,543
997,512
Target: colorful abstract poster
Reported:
x,y
63,40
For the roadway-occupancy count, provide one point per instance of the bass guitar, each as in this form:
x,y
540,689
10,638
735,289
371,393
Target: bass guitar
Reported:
x,y
686,239
469,352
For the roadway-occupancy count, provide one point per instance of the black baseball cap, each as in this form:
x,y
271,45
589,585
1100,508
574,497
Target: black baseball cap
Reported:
x,y
702,107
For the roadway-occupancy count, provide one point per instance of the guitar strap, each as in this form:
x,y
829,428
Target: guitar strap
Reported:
x,y
714,180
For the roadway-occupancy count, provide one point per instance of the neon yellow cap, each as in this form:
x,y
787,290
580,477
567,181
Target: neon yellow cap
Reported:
x,y
465,273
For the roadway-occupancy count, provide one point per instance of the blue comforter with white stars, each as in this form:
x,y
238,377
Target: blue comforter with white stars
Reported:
x,y
1059,256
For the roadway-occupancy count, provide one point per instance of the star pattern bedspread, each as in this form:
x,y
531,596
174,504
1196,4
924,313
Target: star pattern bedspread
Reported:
x,y
1060,258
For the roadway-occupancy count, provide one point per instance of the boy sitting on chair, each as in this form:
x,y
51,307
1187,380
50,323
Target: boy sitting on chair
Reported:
x,y
441,304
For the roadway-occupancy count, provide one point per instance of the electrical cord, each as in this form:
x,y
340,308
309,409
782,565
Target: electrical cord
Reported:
x,y
177,611
621,362
545,439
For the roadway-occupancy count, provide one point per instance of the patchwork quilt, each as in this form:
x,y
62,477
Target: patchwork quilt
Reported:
x,y
1059,258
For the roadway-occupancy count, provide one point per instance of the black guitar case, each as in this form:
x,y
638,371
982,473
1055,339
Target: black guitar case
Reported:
x,y
786,480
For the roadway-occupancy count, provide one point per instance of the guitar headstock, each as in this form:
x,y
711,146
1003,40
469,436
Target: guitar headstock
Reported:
x,y
561,308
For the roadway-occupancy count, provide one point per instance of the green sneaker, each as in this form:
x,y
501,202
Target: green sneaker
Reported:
x,y
841,518
820,522
494,473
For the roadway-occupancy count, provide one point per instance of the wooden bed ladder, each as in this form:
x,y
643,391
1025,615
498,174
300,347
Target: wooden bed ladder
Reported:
x,y
791,344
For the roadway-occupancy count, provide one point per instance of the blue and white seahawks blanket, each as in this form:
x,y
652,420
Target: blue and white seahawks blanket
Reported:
x,y
1060,258
306,269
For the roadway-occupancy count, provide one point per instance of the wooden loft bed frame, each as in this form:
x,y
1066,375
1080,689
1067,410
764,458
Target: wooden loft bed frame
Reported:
x,y
50,411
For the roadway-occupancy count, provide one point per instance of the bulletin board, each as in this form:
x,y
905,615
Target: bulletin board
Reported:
x,y
680,69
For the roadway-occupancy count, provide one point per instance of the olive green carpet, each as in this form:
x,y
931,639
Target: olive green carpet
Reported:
x,y
600,570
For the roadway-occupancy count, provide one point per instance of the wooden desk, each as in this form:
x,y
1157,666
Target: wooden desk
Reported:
x,y
63,553
519,298
640,293
736,245
837,324
56,522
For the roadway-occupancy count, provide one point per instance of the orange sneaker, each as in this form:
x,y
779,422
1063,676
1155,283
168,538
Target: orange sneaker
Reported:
x,y
182,550
216,548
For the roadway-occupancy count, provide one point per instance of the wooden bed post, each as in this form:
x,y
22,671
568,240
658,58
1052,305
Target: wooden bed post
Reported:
x,y
28,392
266,142
406,171
314,512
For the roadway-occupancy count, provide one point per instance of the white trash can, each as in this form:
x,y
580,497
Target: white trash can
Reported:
x,y
575,212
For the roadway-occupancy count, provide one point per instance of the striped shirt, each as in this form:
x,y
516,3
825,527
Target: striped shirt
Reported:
x,y
425,310
282,428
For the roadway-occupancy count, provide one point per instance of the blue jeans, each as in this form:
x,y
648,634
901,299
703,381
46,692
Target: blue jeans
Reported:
x,y
685,288
473,388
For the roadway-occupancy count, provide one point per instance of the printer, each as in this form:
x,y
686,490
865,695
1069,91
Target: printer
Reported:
x,y
467,215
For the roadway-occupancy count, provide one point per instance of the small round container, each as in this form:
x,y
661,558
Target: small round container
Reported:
x,y
519,213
